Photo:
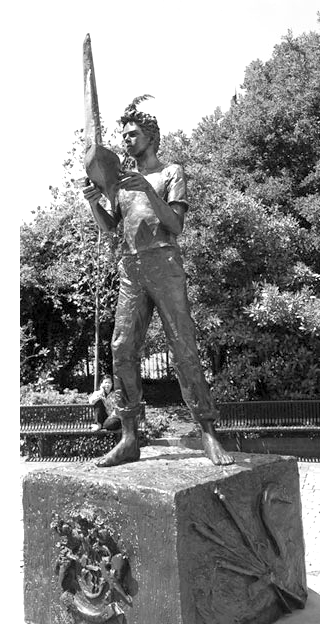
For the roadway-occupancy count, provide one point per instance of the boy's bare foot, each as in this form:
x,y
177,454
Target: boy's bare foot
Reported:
x,y
212,447
126,451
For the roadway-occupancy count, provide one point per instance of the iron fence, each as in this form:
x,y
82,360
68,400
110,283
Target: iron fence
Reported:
x,y
156,366
249,414
50,418
276,426
270,413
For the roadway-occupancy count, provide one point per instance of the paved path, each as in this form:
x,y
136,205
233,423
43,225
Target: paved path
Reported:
x,y
310,500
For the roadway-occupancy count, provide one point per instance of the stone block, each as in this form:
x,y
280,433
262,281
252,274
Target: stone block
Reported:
x,y
170,539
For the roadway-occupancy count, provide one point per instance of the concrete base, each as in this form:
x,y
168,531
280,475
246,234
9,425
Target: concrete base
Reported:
x,y
188,542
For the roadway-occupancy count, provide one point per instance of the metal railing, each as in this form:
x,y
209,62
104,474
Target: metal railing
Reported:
x,y
237,415
156,366
258,426
52,418
46,419
270,413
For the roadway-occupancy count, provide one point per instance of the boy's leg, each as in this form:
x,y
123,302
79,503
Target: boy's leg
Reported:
x,y
100,415
112,423
133,315
172,303
134,311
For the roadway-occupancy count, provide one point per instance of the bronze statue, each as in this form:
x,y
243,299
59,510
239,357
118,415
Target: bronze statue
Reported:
x,y
152,202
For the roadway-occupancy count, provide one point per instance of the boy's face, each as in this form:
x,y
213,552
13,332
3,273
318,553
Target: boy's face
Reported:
x,y
136,142
106,385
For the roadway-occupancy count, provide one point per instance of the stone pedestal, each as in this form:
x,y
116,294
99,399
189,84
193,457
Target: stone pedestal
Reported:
x,y
170,539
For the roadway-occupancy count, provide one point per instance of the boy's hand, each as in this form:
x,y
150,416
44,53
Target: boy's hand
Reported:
x,y
92,194
135,181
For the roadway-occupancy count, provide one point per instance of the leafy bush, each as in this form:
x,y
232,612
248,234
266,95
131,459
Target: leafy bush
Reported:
x,y
49,395
77,446
155,426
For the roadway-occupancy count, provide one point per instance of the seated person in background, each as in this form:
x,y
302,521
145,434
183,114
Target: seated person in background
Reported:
x,y
103,403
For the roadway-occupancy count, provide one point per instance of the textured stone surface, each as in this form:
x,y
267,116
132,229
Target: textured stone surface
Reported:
x,y
205,544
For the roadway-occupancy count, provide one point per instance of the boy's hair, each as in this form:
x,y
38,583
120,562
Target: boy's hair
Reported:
x,y
107,376
148,123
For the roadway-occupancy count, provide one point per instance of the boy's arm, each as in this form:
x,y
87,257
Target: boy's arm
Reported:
x,y
106,219
94,397
171,216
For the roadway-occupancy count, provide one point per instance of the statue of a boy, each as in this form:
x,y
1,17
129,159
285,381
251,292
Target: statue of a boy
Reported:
x,y
152,202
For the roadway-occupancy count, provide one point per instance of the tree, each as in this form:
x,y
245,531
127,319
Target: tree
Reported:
x,y
253,227
272,134
251,242
58,280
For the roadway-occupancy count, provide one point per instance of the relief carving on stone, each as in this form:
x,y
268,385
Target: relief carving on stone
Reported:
x,y
263,559
93,570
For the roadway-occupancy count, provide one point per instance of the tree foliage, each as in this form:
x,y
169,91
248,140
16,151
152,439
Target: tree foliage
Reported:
x,y
251,243
59,264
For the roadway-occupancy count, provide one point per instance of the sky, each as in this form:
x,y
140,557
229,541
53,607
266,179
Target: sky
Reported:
x,y
191,56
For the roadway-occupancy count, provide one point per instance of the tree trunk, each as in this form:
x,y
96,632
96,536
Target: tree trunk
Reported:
x,y
87,364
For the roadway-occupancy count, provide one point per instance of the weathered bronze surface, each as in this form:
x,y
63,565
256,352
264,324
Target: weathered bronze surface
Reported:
x,y
92,570
264,561
102,165
152,203
92,126
199,544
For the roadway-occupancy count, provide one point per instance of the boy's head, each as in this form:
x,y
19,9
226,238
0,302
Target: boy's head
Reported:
x,y
106,383
146,122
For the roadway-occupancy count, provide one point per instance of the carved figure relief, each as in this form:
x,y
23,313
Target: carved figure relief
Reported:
x,y
92,570
264,560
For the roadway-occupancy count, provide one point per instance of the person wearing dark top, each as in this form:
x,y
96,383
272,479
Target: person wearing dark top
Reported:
x,y
102,401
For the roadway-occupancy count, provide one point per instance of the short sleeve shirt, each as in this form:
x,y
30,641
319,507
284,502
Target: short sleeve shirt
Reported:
x,y
142,228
